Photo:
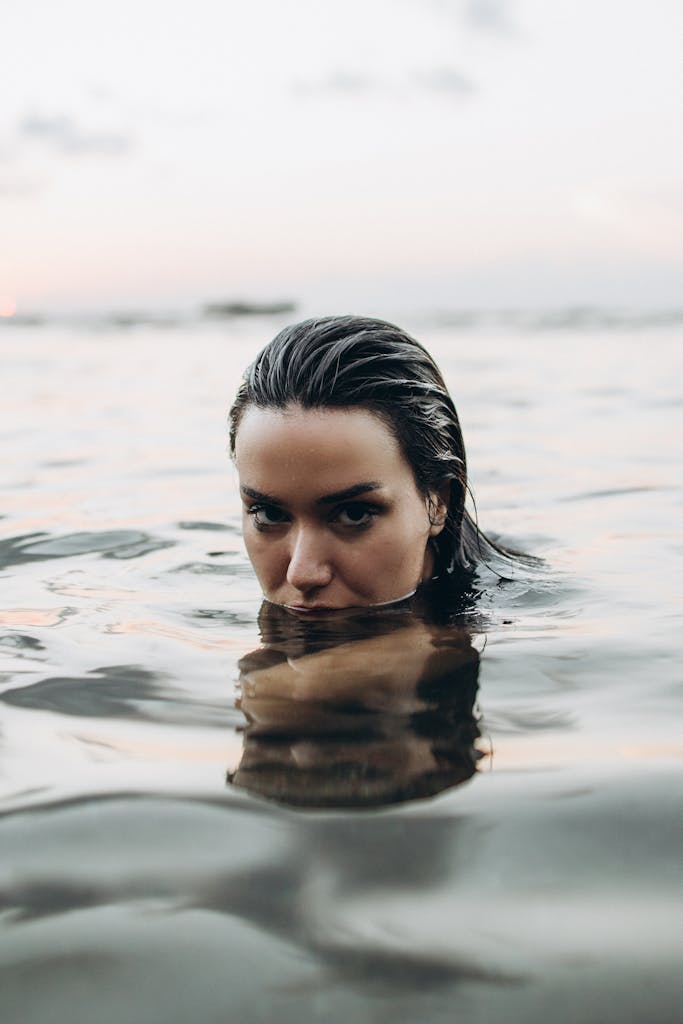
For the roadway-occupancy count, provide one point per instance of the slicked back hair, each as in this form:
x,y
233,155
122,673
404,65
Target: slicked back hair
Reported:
x,y
357,362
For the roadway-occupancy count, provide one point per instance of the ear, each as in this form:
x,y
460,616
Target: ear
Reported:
x,y
437,507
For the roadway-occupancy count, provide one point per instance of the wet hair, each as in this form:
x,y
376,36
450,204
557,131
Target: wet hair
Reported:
x,y
359,362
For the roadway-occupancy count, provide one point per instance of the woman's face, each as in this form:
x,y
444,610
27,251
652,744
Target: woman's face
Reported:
x,y
331,513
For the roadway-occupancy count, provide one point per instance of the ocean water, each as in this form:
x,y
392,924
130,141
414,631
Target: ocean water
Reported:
x,y
157,859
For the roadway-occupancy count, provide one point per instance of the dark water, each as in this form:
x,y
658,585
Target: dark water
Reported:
x,y
500,835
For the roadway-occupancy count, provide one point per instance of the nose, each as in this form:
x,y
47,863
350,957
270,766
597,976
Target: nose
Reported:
x,y
309,563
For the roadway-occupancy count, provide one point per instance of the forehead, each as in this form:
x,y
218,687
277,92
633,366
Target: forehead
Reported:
x,y
331,448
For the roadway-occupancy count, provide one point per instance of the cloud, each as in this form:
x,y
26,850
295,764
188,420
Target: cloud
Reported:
x,y
62,134
492,16
489,16
446,80
337,82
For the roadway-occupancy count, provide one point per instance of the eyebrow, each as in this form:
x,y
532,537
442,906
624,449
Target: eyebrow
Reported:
x,y
327,499
349,492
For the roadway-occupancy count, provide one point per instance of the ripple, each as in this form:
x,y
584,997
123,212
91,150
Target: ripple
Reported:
x,y
63,463
38,547
119,692
225,616
525,720
114,690
615,492
200,524
204,569
35,616
21,641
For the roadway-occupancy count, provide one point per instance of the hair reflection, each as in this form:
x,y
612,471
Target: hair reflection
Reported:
x,y
357,710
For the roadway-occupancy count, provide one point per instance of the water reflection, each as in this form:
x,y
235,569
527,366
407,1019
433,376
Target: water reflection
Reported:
x,y
357,710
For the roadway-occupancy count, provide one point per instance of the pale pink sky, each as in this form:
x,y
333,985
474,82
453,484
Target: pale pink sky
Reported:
x,y
457,152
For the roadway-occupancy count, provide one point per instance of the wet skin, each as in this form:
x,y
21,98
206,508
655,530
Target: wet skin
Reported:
x,y
332,516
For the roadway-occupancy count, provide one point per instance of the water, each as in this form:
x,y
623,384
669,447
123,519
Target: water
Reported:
x,y
138,885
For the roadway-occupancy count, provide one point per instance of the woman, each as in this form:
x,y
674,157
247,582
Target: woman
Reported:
x,y
352,468
353,481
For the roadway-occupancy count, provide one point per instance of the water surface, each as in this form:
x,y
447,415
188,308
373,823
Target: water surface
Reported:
x,y
137,883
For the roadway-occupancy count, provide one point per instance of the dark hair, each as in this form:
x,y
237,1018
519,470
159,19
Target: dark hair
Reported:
x,y
352,361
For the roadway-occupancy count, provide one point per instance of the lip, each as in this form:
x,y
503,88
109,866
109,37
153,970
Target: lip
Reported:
x,y
312,609
327,609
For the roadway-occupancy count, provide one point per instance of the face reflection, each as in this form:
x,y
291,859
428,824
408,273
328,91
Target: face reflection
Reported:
x,y
331,513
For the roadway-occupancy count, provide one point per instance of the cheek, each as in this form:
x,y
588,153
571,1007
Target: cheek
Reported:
x,y
267,558
395,556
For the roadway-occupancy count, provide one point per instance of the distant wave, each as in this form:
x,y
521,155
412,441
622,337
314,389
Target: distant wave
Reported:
x,y
568,318
539,319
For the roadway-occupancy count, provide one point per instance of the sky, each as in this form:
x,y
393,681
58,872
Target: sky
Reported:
x,y
414,153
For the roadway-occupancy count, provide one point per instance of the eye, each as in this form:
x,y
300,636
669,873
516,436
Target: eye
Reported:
x,y
266,515
356,515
